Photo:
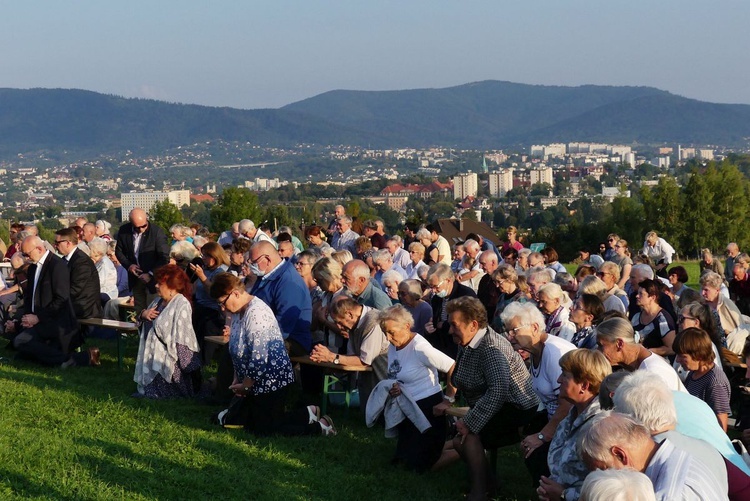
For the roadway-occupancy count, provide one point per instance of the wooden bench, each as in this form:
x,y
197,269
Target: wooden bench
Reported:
x,y
212,344
122,328
331,379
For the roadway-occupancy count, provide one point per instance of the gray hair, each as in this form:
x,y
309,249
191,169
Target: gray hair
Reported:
x,y
592,285
711,279
643,271
411,287
554,291
285,229
524,252
345,220
199,241
471,244
616,328
610,267
326,270
645,396
395,313
563,278
418,247
104,224
539,273
610,385
526,313
440,270
184,250
397,239
99,246
423,272
617,485
182,230
391,277
381,256
245,226
609,429
422,234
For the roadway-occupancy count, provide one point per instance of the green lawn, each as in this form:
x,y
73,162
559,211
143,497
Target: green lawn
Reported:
x,y
77,434
692,268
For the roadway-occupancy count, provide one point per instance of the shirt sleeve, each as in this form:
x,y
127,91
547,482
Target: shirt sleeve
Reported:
x,y
497,374
372,342
432,357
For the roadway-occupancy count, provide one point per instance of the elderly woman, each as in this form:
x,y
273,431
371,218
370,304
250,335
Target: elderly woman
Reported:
x,y
168,363
617,485
512,288
567,283
98,248
615,338
699,315
654,326
609,273
494,380
595,285
458,258
551,259
327,273
208,320
416,256
424,237
314,237
739,286
304,265
525,328
362,246
709,262
183,254
410,294
391,279
586,312
729,316
582,374
413,365
555,304
623,261
181,233
706,379
102,230
659,251
678,277
263,372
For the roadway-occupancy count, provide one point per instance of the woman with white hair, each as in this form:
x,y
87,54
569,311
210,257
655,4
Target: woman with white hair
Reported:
x,y
596,286
555,304
391,279
181,233
410,294
102,230
617,485
424,237
105,268
729,316
416,256
525,329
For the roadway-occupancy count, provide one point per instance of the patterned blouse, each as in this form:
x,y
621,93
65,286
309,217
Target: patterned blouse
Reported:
x,y
257,349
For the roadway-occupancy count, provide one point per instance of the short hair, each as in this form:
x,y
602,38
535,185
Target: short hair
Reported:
x,y
688,296
416,246
312,230
70,234
510,251
342,305
524,252
695,342
391,276
358,269
241,245
182,230
585,270
617,485
610,385
422,234
554,291
199,241
650,286
245,226
471,244
592,285
284,237
342,256
511,229
527,313
564,278
412,288
381,256
680,272
310,254
440,270
175,278
345,220
539,273
99,246
705,316
592,305
104,224
616,328
471,309
711,279
551,254
645,396
326,270
362,244
183,250
607,430
224,283
396,313
612,268
651,236
505,272
431,228
742,259
586,366
370,224
643,271
216,251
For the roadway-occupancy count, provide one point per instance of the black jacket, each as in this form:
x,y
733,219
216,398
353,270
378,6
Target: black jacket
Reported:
x,y
153,251
84,286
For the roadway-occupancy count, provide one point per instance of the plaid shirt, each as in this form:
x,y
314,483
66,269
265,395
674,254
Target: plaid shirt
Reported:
x,y
490,374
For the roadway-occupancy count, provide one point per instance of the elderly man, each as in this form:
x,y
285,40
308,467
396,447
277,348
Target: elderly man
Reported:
x,y
639,273
282,288
442,282
48,331
732,252
141,249
400,255
487,291
383,262
443,247
248,230
367,345
32,229
344,238
356,278
472,249
339,211
609,273
537,278
659,251
484,243
84,279
228,236
618,441
286,249
377,239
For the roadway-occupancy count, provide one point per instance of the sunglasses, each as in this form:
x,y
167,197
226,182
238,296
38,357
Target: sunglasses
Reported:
x,y
141,227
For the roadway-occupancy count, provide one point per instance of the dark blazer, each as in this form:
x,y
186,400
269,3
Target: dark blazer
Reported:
x,y
52,302
84,286
153,251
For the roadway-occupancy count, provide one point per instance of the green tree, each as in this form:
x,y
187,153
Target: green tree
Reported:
x,y
697,216
233,205
165,214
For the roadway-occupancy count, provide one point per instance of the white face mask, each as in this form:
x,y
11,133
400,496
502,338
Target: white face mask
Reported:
x,y
442,294
256,271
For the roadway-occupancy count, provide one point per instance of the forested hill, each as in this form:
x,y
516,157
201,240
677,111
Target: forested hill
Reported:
x,y
480,115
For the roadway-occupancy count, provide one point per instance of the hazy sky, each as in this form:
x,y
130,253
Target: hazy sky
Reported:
x,y
254,53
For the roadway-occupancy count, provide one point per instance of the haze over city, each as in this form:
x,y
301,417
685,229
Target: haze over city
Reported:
x,y
268,54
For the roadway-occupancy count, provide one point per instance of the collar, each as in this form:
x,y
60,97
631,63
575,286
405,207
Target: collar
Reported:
x,y
365,311
42,259
274,270
70,254
477,339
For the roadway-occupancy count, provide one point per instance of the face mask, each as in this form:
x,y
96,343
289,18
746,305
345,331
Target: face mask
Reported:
x,y
256,271
442,294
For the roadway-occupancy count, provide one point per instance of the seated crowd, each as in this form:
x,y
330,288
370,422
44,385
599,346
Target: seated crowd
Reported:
x,y
610,379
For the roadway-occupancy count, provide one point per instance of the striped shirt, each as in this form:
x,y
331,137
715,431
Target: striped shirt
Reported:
x,y
653,332
713,388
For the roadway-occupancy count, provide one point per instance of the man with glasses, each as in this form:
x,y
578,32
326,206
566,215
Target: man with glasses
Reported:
x,y
344,237
357,281
84,279
442,283
229,236
141,249
282,288
48,331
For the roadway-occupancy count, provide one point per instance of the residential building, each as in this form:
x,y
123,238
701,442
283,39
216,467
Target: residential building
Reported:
x,y
542,175
501,182
465,185
146,200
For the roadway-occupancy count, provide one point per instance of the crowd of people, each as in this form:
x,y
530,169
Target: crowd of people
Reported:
x,y
610,379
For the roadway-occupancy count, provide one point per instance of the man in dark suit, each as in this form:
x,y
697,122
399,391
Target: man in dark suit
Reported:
x,y
48,331
84,279
141,249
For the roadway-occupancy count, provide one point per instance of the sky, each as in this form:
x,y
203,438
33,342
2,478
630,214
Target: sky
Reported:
x,y
265,54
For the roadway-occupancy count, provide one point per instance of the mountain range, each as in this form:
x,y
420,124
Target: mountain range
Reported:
x,y
489,114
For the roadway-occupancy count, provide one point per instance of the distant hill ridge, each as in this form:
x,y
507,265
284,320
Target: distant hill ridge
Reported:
x,y
487,114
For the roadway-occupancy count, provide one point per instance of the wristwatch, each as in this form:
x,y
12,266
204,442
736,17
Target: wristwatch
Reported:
x,y
541,437
336,360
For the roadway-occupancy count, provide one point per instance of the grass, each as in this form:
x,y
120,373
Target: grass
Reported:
x,y
77,434
692,268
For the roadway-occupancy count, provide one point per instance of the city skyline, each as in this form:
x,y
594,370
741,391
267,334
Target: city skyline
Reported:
x,y
255,55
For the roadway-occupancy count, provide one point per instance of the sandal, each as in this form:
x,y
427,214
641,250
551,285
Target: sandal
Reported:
x,y
329,429
314,412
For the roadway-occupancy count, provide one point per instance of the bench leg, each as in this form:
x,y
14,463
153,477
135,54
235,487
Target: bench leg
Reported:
x,y
326,384
120,349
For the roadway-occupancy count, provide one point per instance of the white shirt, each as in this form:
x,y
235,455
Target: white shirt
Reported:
x,y
545,376
656,364
416,366
444,249
39,265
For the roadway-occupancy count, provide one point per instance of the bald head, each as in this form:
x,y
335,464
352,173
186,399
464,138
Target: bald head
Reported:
x,y
488,261
265,256
356,276
139,219
16,261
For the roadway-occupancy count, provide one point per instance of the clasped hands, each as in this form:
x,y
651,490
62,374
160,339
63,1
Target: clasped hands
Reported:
x,y
322,354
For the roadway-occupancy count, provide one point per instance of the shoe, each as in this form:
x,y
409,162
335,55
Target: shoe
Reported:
x,y
68,363
329,429
94,357
314,412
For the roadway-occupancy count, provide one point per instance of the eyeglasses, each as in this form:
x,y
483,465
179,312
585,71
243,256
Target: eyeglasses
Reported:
x,y
58,242
437,286
223,304
513,331
301,263
499,282
141,227
255,261
682,318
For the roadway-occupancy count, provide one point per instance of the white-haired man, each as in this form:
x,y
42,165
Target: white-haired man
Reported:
x,y
344,238
248,230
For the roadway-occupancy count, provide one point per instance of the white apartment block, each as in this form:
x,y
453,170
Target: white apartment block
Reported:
x,y
146,200
660,162
501,182
465,185
629,158
619,150
542,175
705,154
555,150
